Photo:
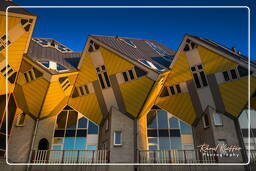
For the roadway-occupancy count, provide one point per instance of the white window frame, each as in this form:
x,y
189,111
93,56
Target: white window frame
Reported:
x,y
214,119
121,138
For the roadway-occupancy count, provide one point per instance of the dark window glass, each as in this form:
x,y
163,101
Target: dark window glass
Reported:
x,y
70,133
2,141
164,92
86,89
242,71
178,88
226,77
206,120
98,69
72,119
12,78
163,133
174,123
81,133
125,76
101,81
185,128
151,119
106,78
59,133
61,120
26,77
82,123
186,48
233,74
92,128
103,67
30,74
81,90
198,85
172,90
199,66
139,72
162,119
174,133
152,133
203,78
164,143
131,74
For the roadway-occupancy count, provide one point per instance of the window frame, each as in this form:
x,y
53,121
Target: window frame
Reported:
x,y
29,77
103,77
121,138
199,76
230,76
214,119
204,122
128,75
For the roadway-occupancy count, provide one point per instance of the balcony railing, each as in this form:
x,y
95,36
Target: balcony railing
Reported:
x,y
175,156
70,156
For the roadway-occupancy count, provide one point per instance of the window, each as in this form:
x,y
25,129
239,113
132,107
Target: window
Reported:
x,y
72,129
151,65
3,42
83,90
52,43
189,45
65,83
174,123
117,138
217,119
185,128
129,75
103,77
20,119
230,74
9,72
206,121
93,46
175,89
222,143
199,76
30,75
242,71
129,42
157,48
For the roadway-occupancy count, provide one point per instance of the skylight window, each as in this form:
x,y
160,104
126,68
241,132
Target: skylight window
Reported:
x,y
158,49
46,43
129,42
53,65
151,65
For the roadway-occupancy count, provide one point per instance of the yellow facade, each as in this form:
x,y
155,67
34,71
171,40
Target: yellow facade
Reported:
x,y
214,62
135,93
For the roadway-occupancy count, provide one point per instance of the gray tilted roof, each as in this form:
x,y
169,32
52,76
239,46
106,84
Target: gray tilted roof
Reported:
x,y
224,49
142,49
4,4
39,53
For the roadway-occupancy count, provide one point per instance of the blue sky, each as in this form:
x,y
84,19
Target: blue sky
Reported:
x,y
168,26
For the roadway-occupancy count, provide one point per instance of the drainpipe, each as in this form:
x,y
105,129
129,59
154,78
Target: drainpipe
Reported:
x,y
32,143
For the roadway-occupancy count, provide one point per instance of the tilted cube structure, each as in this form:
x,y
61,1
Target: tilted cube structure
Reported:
x,y
105,97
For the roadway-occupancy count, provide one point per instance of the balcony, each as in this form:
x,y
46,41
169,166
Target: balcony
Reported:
x,y
70,156
175,156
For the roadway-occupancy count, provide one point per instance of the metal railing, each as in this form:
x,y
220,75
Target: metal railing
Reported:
x,y
70,156
175,156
